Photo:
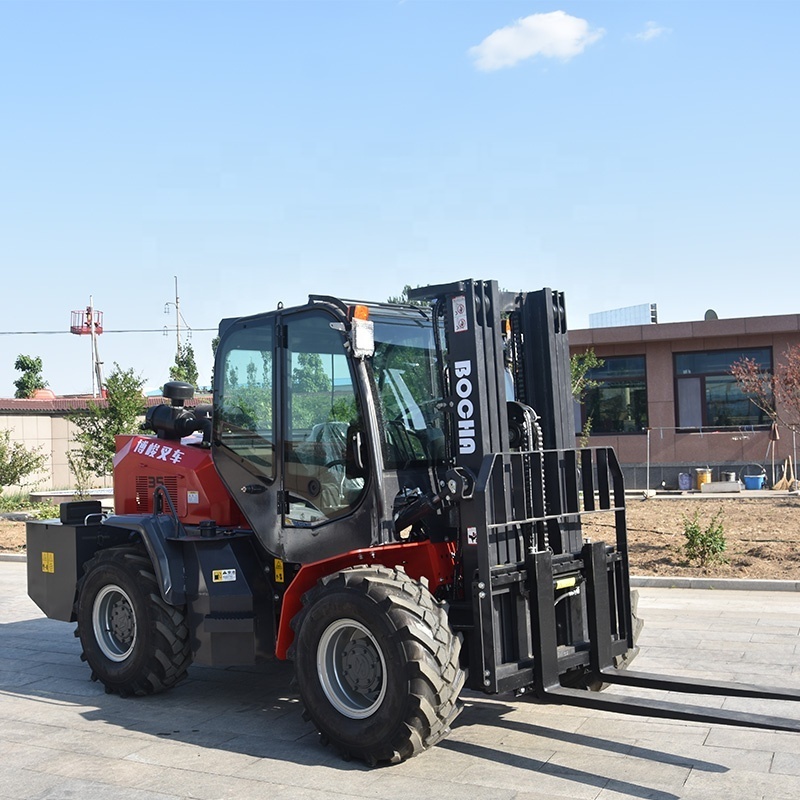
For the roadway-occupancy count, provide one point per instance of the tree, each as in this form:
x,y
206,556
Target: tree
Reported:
x,y
311,391
31,378
248,404
776,393
185,367
579,366
118,413
17,461
309,375
402,298
214,346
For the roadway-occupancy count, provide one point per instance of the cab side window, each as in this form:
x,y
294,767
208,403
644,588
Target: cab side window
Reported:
x,y
321,412
246,402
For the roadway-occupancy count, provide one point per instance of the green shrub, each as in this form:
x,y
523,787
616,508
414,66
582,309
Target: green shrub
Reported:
x,y
704,544
20,502
17,462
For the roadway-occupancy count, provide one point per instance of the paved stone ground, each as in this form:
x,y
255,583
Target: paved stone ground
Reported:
x,y
238,733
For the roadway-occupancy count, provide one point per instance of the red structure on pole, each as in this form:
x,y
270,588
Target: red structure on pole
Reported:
x,y
90,323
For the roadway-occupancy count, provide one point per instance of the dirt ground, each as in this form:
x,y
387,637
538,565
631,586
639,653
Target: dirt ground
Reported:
x,y
762,536
12,536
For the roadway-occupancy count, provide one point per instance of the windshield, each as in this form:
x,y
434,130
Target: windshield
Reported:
x,y
405,370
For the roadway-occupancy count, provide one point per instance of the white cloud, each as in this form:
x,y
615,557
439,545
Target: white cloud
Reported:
x,y
652,30
552,35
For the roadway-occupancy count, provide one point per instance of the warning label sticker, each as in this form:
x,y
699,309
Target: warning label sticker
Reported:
x,y
472,536
279,576
460,323
48,562
223,575
193,498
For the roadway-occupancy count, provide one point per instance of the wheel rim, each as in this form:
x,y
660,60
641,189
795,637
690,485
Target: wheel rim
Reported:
x,y
351,669
114,623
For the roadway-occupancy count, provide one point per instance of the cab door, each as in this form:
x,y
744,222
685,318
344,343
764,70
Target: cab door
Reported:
x,y
245,443
288,421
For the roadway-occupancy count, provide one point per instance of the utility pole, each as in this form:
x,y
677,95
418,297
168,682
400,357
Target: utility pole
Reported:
x,y
98,364
177,320
177,305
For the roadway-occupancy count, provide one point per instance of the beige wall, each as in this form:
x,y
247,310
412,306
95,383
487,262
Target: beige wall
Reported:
x,y
53,434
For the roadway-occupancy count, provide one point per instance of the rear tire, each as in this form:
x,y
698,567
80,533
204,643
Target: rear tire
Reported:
x,y
377,664
135,643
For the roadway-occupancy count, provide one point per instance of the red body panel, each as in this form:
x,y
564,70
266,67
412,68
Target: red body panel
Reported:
x,y
184,469
419,559
188,474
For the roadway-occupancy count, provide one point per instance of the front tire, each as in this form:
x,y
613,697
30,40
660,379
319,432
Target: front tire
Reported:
x,y
135,643
377,664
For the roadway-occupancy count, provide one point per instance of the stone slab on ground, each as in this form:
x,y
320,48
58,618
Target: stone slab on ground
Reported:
x,y
238,733
720,487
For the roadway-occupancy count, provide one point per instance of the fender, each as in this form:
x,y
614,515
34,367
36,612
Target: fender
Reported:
x,y
426,560
157,531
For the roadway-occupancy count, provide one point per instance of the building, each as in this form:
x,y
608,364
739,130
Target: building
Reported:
x,y
669,402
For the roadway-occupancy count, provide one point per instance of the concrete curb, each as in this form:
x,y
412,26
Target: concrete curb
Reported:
x,y
13,557
694,494
714,583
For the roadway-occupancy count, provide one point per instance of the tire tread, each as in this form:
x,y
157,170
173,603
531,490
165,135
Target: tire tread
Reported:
x,y
432,672
170,654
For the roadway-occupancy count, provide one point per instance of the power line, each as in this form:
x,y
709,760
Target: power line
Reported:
x,y
105,330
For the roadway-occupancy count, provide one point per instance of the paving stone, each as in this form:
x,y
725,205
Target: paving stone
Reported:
x,y
740,783
238,733
206,786
389,784
15,678
785,764
25,784
97,790
514,772
59,686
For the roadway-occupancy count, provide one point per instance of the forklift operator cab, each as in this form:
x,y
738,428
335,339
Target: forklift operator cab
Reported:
x,y
302,428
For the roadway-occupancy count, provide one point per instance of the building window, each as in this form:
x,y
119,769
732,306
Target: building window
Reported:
x,y
619,403
707,394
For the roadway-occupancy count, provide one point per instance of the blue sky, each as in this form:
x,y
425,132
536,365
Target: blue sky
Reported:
x,y
624,152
